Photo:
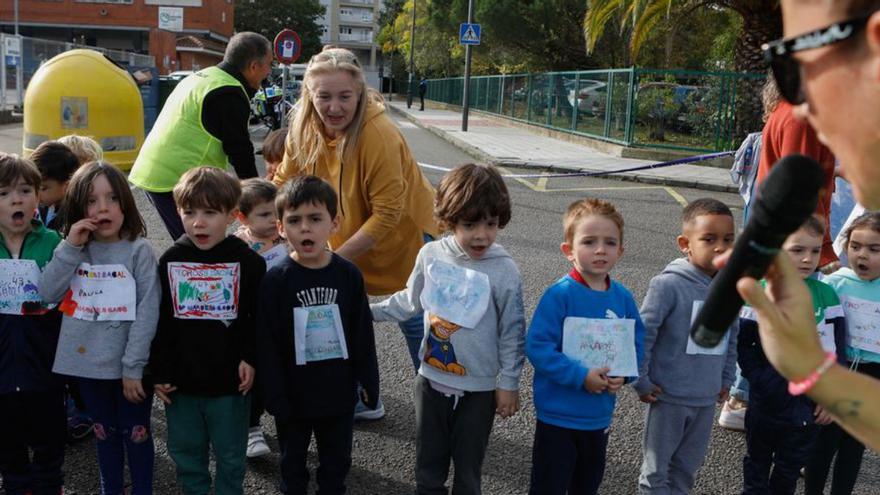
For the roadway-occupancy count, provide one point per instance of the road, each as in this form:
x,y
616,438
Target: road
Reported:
x,y
384,450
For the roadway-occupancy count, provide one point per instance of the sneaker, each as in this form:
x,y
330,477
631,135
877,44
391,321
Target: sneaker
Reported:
x,y
733,415
364,413
257,445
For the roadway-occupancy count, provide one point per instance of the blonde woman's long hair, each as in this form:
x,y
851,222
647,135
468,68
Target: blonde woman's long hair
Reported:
x,y
305,139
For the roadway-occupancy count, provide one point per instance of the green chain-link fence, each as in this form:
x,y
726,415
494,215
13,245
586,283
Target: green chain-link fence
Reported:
x,y
674,109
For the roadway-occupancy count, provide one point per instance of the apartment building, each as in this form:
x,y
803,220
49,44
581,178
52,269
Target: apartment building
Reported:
x,y
354,24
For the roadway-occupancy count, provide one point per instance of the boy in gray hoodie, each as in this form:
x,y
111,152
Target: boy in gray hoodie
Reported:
x,y
470,292
681,380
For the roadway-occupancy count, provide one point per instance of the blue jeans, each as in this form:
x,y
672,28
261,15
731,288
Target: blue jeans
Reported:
x,y
120,428
413,330
740,388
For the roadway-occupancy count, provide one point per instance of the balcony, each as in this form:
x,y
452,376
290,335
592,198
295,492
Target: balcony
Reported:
x,y
359,20
358,2
356,37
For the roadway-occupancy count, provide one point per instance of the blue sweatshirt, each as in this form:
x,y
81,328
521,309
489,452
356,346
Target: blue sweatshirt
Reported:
x,y
559,393
849,287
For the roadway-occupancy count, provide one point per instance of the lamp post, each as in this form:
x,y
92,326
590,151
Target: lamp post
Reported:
x,y
412,49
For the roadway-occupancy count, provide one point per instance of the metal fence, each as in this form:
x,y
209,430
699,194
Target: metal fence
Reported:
x,y
673,109
17,71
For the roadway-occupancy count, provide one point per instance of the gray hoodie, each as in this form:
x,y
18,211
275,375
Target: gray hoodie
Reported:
x,y
686,378
496,344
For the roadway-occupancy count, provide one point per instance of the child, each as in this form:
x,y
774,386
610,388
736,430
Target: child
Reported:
x,y
470,291
681,380
575,402
204,350
56,164
84,147
105,270
781,428
273,151
31,397
859,291
315,340
259,228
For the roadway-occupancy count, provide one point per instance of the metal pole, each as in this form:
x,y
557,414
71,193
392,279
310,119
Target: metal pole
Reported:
x,y
465,104
412,50
18,67
15,8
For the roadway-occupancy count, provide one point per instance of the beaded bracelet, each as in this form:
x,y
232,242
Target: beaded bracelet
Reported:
x,y
804,386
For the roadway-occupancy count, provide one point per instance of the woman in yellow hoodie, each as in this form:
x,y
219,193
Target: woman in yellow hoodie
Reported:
x,y
342,134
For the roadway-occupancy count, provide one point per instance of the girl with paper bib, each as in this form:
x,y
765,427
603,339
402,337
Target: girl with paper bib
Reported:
x,y
859,290
105,276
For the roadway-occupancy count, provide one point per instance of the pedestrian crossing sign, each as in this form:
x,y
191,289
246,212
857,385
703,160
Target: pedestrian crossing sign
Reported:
x,y
469,34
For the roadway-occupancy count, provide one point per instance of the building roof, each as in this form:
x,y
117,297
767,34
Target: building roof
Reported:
x,y
197,44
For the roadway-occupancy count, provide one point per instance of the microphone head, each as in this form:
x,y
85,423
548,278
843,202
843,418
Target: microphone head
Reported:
x,y
789,194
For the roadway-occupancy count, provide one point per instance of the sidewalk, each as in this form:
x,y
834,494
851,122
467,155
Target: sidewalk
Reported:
x,y
501,145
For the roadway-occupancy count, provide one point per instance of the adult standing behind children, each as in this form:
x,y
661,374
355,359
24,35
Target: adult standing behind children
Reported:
x,y
342,134
204,122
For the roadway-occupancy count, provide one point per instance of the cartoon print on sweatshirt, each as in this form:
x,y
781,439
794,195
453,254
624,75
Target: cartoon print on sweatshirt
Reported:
x,y
439,352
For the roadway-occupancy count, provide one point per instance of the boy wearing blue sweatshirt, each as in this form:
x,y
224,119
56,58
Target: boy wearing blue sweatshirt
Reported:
x,y
575,402
678,378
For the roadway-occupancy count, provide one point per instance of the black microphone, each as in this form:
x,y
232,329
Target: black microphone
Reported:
x,y
784,202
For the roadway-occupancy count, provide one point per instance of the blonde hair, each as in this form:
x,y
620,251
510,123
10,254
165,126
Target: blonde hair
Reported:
x,y
770,96
305,139
84,147
586,207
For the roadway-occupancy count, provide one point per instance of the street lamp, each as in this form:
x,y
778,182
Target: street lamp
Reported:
x,y
412,50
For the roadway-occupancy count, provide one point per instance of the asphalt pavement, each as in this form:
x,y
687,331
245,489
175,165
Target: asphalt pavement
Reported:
x,y
384,450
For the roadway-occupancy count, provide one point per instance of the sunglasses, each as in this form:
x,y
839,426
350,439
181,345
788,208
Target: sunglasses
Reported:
x,y
787,70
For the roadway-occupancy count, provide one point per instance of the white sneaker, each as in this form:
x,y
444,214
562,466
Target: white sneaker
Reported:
x,y
257,445
733,415
364,413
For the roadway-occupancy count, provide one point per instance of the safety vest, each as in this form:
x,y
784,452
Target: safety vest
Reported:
x,y
179,141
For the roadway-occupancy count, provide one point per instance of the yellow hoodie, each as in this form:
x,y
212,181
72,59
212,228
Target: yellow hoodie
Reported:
x,y
382,191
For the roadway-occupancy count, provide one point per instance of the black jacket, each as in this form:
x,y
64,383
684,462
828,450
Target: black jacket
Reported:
x,y
201,357
319,388
225,115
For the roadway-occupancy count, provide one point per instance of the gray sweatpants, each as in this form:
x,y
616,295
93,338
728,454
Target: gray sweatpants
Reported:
x,y
674,446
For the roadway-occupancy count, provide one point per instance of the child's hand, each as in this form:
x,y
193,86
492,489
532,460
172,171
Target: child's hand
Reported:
x,y
615,383
132,390
163,390
506,402
246,375
822,416
596,382
651,397
80,231
723,395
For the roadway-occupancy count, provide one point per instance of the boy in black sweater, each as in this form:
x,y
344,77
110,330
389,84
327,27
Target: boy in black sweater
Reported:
x,y
203,354
314,340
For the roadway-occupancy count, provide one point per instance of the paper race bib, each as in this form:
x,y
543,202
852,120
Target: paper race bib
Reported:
x,y
693,348
317,334
596,343
455,293
826,336
275,255
203,291
863,323
18,288
101,293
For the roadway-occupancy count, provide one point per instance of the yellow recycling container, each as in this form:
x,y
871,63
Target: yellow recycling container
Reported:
x,y
82,92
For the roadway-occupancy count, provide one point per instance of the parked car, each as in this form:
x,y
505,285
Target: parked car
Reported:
x,y
590,97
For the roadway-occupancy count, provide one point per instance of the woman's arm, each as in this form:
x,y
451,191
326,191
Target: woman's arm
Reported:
x,y
356,245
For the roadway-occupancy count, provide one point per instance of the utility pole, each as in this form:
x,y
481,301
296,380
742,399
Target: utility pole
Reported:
x,y
412,50
467,74
18,67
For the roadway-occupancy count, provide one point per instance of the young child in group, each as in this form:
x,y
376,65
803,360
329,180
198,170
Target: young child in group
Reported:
x,y
680,380
259,228
781,428
31,396
315,340
105,271
470,291
56,164
273,151
575,402
204,352
859,290
84,147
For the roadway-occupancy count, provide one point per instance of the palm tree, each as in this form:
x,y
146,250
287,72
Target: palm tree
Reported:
x,y
762,21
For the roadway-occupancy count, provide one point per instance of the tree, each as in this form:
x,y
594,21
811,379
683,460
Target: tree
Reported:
x,y
761,22
268,17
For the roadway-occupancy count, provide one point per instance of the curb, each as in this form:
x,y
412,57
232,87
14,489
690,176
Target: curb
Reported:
x,y
627,177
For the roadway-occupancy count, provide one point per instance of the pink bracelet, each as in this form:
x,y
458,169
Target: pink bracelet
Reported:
x,y
804,386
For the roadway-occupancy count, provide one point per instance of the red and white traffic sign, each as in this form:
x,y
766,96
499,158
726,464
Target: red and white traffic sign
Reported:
x,y
288,46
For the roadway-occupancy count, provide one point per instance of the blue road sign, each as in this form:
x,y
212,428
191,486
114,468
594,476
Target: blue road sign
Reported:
x,y
469,34
11,60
